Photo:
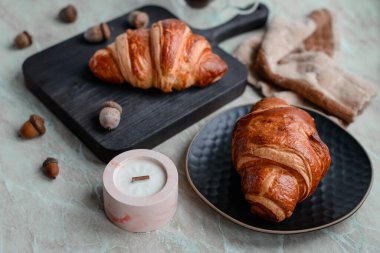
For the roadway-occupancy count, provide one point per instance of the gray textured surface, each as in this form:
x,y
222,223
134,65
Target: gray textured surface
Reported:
x,y
65,215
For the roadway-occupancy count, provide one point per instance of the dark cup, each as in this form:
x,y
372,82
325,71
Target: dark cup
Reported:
x,y
198,3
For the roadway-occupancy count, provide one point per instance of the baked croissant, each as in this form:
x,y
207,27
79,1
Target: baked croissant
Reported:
x,y
168,57
279,156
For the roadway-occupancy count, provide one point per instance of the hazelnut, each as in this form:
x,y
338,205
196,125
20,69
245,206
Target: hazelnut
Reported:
x,y
98,33
50,168
110,114
68,14
138,19
34,127
23,40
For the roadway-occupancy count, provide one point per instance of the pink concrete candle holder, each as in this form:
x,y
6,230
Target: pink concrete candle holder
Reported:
x,y
140,190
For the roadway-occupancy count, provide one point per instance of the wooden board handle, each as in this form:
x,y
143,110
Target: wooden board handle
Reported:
x,y
238,25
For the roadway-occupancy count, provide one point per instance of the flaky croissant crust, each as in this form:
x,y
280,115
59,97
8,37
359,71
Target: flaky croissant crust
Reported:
x,y
280,157
168,57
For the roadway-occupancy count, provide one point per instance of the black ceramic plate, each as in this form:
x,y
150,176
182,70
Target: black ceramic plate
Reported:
x,y
341,192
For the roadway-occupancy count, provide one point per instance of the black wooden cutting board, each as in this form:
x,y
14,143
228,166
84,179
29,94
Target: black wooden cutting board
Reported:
x,y
59,76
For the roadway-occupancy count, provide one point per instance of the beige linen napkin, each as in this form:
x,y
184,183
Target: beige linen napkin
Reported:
x,y
294,61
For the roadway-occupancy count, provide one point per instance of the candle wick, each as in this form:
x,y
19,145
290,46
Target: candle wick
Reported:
x,y
140,178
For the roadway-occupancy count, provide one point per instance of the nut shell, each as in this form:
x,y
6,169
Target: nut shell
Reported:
x,y
138,19
110,115
93,34
32,128
97,33
23,40
50,168
68,14
28,131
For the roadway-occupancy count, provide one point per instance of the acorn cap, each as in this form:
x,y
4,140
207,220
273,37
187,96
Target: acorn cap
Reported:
x,y
112,104
38,122
105,30
49,160
30,38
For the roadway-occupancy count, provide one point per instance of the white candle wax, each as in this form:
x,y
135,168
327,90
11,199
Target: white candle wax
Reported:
x,y
140,167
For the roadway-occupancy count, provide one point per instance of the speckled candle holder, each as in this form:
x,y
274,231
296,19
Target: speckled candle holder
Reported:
x,y
140,213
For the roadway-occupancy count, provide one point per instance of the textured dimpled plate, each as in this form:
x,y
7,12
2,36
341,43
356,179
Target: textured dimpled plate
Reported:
x,y
341,192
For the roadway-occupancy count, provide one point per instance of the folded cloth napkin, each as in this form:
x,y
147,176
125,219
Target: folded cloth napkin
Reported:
x,y
294,61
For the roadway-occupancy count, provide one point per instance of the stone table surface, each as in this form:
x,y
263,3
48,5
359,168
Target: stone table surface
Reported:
x,y
65,215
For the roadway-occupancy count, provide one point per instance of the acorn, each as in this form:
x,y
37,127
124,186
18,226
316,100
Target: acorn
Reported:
x,y
23,40
138,19
68,14
110,115
97,33
34,127
50,168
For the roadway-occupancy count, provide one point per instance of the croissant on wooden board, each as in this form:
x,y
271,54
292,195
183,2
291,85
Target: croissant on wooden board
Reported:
x,y
168,57
279,156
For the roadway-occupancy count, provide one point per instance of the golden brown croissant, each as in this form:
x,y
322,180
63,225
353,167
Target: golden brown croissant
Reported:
x,y
279,156
168,57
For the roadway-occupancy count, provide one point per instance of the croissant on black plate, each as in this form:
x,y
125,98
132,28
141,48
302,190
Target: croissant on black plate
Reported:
x,y
279,156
